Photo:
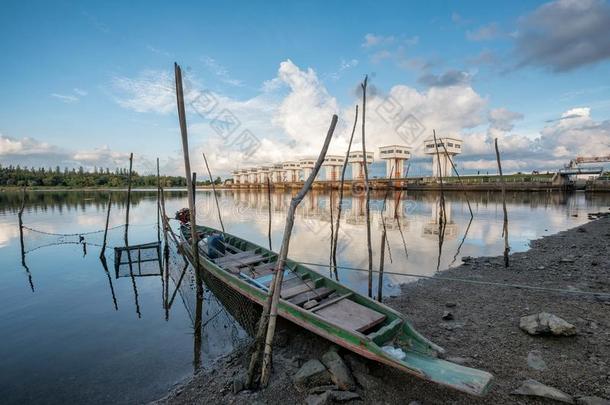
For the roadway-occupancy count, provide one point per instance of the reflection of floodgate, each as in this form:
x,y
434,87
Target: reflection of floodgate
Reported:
x,y
434,227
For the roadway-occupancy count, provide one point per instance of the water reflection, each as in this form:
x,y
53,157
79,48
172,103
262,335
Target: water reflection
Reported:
x,y
93,345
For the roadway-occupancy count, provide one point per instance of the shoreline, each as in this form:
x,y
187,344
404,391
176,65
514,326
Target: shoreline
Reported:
x,y
484,332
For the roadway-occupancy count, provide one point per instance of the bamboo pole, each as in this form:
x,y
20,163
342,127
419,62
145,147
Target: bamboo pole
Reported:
x,y
381,264
105,266
332,232
396,216
459,179
21,240
266,328
106,227
442,219
269,209
20,218
367,191
214,191
187,163
128,198
383,242
340,206
505,224
158,203
165,224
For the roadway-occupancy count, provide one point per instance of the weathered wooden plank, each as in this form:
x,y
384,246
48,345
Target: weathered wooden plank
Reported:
x,y
263,269
351,315
317,294
330,301
235,256
297,289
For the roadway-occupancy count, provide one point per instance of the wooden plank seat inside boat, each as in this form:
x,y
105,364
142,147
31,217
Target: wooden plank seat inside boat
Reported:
x,y
348,314
233,262
317,294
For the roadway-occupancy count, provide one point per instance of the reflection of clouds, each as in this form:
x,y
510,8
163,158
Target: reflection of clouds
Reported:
x,y
245,214
8,231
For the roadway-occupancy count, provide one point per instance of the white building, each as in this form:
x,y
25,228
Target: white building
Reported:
x,y
442,154
236,177
243,176
253,175
262,174
307,165
277,173
395,157
356,158
291,171
332,165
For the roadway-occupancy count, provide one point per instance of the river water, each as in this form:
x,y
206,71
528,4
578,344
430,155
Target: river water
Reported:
x,y
76,329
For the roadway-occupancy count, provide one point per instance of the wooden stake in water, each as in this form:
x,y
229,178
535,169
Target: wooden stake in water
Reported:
x,y
106,227
187,164
214,191
367,190
158,202
266,326
383,241
340,206
269,209
505,225
20,217
128,198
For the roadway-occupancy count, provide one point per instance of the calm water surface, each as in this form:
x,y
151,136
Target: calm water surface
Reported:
x,y
74,330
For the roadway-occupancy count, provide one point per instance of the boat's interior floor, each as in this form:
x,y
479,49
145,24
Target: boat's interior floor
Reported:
x,y
303,290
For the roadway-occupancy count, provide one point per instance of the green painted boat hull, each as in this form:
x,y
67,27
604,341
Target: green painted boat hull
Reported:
x,y
421,354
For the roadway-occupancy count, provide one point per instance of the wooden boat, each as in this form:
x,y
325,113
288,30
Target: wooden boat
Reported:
x,y
331,310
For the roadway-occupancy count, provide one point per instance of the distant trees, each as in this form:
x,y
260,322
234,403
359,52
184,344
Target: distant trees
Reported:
x,y
31,177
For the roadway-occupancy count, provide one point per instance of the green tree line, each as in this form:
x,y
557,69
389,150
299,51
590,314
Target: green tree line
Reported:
x,y
73,178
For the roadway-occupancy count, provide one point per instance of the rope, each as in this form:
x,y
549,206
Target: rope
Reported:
x,y
69,234
464,280
81,233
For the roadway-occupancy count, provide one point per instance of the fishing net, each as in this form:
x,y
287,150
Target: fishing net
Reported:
x,y
35,238
220,309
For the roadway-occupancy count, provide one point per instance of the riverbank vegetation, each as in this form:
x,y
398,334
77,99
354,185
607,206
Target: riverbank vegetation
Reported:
x,y
16,176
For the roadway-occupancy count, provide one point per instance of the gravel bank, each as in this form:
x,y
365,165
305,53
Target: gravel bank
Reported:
x,y
484,332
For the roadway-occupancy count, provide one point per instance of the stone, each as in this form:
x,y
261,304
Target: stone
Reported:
x,y
545,323
452,325
568,259
239,384
320,399
534,388
466,258
447,315
339,372
458,360
356,363
321,389
365,380
535,361
343,396
312,374
450,304
592,401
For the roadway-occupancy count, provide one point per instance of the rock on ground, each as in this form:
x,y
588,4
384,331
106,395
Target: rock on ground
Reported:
x,y
536,389
311,374
592,401
545,323
339,372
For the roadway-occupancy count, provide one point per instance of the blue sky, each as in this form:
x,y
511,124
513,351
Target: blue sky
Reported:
x,y
82,79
